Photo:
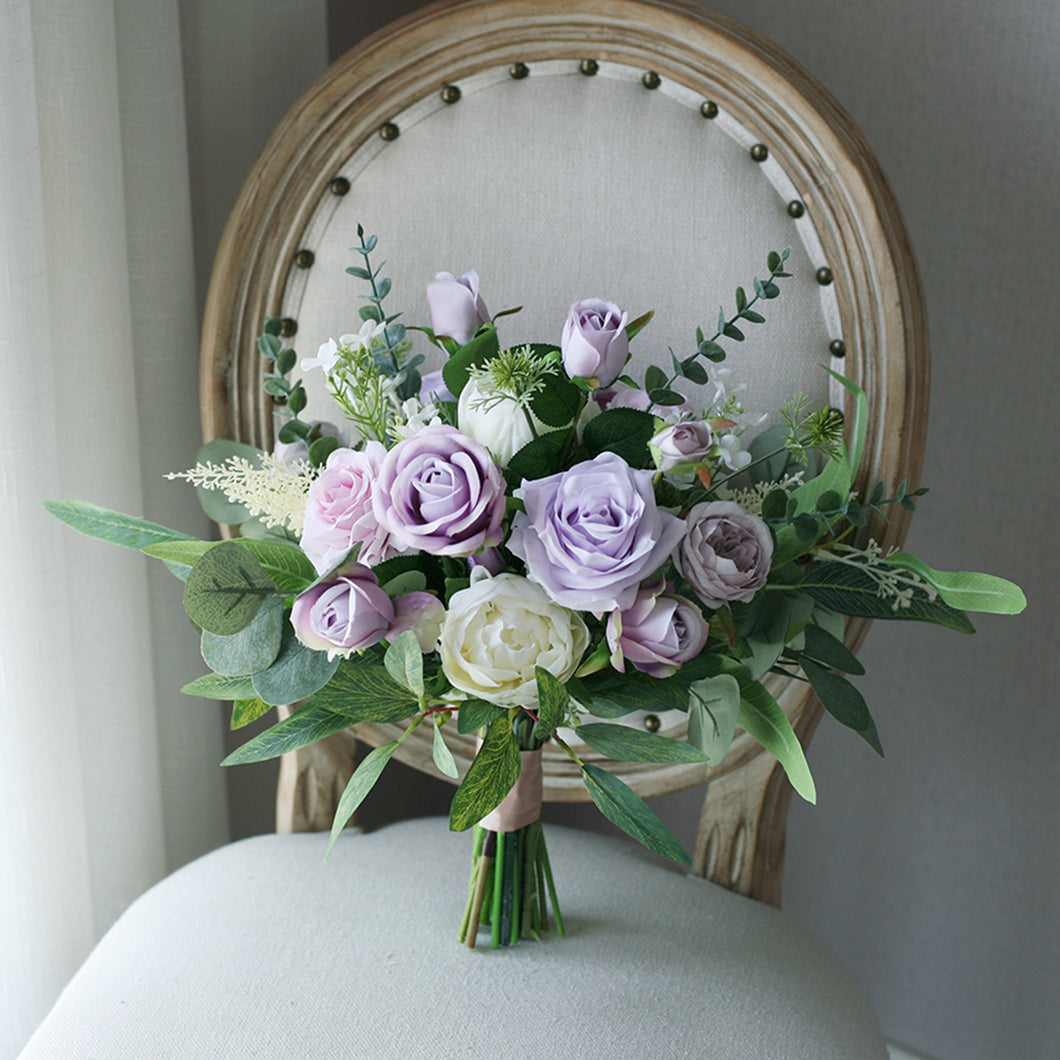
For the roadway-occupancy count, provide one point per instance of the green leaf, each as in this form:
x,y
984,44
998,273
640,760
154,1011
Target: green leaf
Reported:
x,y
482,348
654,378
226,588
843,701
361,783
539,458
107,525
761,716
851,591
284,562
296,673
612,695
322,448
251,649
443,757
490,777
552,700
860,428
623,807
626,744
218,686
713,707
404,662
622,431
828,650
767,632
307,725
362,690
557,402
666,397
245,711
476,714
834,477
635,327
966,590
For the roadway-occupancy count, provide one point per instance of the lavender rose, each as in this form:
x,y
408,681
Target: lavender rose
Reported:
x,y
590,535
441,492
456,306
594,342
346,614
725,552
658,633
682,446
339,510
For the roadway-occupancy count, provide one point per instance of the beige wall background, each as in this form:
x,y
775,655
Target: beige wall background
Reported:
x,y
932,873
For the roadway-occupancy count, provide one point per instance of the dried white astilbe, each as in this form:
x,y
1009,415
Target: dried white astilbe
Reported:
x,y
275,491
752,497
892,583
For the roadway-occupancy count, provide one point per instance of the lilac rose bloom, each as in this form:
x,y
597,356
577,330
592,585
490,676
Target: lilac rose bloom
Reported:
x,y
591,534
346,614
594,341
725,553
456,306
441,492
658,633
339,511
682,445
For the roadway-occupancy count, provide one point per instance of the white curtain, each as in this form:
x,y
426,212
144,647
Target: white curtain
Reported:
x,y
110,775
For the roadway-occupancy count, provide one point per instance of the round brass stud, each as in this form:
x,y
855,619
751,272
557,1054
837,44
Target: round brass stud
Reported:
x,y
651,80
451,94
304,259
389,131
708,108
837,348
652,723
824,275
518,71
288,327
795,208
339,186
759,152
589,67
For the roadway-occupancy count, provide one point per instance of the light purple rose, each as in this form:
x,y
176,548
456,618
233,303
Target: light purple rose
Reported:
x,y
339,511
456,306
440,492
658,633
594,342
346,614
590,535
682,445
725,553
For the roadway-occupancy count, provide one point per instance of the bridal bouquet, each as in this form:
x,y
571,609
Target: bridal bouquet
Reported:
x,y
530,545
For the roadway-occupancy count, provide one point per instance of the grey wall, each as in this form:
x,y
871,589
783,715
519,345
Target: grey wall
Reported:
x,y
931,872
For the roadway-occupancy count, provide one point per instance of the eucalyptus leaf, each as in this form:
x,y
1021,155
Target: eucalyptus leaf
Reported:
x,y
626,744
296,672
284,562
966,590
251,649
489,778
226,588
360,784
713,707
623,807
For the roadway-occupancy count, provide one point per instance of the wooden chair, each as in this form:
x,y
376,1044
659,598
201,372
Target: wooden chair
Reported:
x,y
652,153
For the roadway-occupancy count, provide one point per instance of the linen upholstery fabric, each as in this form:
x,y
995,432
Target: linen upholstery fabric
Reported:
x,y
261,949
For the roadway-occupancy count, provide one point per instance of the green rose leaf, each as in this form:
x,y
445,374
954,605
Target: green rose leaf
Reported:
x,y
626,744
539,458
251,649
622,431
623,807
226,589
489,778
713,707
361,783
966,590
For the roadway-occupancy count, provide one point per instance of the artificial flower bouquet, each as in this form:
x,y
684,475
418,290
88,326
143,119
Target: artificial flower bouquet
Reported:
x,y
530,545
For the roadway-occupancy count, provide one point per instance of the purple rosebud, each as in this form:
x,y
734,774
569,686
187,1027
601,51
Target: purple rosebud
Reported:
x,y
682,445
441,492
725,553
346,614
433,388
339,510
591,534
594,342
658,633
423,613
456,306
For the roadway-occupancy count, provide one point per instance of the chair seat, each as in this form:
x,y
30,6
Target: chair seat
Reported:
x,y
261,949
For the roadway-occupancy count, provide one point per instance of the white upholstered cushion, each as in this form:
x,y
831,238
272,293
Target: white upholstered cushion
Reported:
x,y
261,949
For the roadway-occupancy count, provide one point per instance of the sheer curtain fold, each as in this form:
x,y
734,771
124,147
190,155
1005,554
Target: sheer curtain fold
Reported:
x,y
99,354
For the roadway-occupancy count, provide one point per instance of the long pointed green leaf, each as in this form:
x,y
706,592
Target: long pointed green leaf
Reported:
x,y
761,716
217,686
489,778
626,744
404,662
552,700
623,807
861,423
443,757
244,711
302,728
115,527
966,590
361,783
843,701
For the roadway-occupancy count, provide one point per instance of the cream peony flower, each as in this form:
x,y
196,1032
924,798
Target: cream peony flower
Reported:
x,y
498,630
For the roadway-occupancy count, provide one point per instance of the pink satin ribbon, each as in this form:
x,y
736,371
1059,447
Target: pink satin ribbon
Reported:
x,y
522,805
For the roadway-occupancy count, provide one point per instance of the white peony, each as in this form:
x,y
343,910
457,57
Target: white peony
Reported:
x,y
498,630
495,420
